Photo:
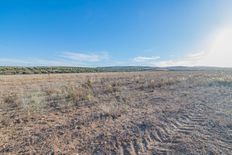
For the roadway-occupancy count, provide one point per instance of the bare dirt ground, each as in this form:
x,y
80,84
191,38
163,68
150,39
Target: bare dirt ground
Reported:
x,y
117,113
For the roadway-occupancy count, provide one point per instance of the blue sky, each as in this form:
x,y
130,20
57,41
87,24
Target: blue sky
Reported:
x,y
115,32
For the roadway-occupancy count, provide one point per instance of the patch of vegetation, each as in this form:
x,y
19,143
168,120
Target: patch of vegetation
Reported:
x,y
45,70
54,70
11,70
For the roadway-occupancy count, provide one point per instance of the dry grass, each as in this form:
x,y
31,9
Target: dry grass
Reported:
x,y
116,113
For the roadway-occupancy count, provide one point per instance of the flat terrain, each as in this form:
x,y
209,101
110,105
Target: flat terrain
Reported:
x,y
135,113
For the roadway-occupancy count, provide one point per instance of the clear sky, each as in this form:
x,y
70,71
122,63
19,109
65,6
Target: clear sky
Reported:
x,y
116,32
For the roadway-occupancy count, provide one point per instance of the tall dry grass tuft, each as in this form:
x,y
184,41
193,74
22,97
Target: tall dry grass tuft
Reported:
x,y
12,100
110,108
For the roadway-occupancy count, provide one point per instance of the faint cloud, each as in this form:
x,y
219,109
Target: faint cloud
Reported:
x,y
32,62
145,59
12,62
192,59
81,57
65,59
188,60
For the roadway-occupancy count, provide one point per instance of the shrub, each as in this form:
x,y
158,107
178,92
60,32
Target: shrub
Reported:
x,y
75,95
151,84
89,97
12,100
111,88
110,108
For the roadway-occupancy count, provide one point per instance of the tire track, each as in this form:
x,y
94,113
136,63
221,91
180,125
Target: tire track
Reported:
x,y
156,140
167,137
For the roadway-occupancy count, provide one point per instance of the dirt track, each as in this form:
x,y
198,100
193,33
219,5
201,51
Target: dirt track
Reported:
x,y
117,113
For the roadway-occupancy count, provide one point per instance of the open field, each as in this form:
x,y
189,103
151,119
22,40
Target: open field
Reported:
x,y
135,113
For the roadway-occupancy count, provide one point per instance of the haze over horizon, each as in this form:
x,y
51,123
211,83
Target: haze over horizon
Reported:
x,y
116,33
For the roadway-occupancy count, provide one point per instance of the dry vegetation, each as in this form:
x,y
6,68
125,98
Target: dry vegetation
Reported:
x,y
117,113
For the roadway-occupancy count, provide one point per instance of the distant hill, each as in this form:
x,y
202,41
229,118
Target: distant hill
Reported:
x,y
172,68
53,70
198,68
125,68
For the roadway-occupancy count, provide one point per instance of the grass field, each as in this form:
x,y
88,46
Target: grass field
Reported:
x,y
133,113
